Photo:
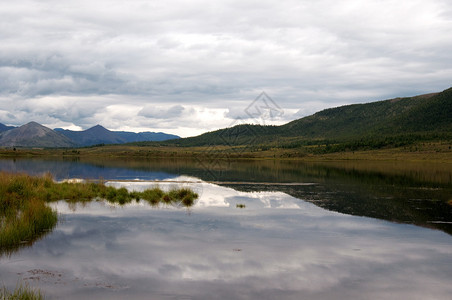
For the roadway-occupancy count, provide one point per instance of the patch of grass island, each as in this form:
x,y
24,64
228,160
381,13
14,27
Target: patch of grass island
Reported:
x,y
25,215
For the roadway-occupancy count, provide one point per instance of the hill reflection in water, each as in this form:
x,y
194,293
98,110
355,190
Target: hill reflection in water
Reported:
x,y
415,193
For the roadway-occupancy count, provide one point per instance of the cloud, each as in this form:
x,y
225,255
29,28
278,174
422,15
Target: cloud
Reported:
x,y
219,55
161,112
237,113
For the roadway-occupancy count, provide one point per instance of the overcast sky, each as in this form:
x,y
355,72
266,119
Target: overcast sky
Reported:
x,y
186,67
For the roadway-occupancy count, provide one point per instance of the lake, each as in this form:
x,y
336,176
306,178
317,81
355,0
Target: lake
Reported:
x,y
260,229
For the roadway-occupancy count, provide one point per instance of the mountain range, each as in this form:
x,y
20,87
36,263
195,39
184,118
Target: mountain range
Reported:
x,y
100,135
33,135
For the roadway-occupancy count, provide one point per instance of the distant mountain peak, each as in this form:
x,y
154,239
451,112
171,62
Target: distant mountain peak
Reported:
x,y
33,123
97,128
34,134
34,128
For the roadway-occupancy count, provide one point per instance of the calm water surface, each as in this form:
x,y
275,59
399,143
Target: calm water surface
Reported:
x,y
308,231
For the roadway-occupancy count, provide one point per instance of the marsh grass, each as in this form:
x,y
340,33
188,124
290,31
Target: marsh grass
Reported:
x,y
21,292
186,196
153,196
25,217
30,222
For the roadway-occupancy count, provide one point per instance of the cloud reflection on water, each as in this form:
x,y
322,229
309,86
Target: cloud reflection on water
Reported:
x,y
212,195
217,251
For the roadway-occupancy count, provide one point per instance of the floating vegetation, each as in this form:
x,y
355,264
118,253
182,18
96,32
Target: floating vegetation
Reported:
x,y
240,205
25,217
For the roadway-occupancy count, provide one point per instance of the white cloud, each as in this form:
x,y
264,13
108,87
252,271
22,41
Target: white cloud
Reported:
x,y
161,112
215,55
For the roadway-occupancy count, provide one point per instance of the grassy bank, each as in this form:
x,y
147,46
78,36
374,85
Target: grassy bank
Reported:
x,y
440,151
25,217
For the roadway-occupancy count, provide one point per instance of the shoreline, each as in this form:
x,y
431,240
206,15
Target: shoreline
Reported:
x,y
435,152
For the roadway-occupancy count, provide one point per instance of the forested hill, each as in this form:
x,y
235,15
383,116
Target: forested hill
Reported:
x,y
424,115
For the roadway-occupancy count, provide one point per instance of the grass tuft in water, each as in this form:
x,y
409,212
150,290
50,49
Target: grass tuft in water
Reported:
x,y
121,195
21,292
152,196
188,196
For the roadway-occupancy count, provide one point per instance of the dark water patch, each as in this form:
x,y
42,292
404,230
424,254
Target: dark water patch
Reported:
x,y
422,207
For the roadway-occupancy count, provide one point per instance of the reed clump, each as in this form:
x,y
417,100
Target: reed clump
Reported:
x,y
24,215
186,196
153,196
21,292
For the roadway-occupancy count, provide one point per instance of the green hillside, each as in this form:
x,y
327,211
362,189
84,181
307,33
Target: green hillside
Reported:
x,y
433,115
355,120
395,121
